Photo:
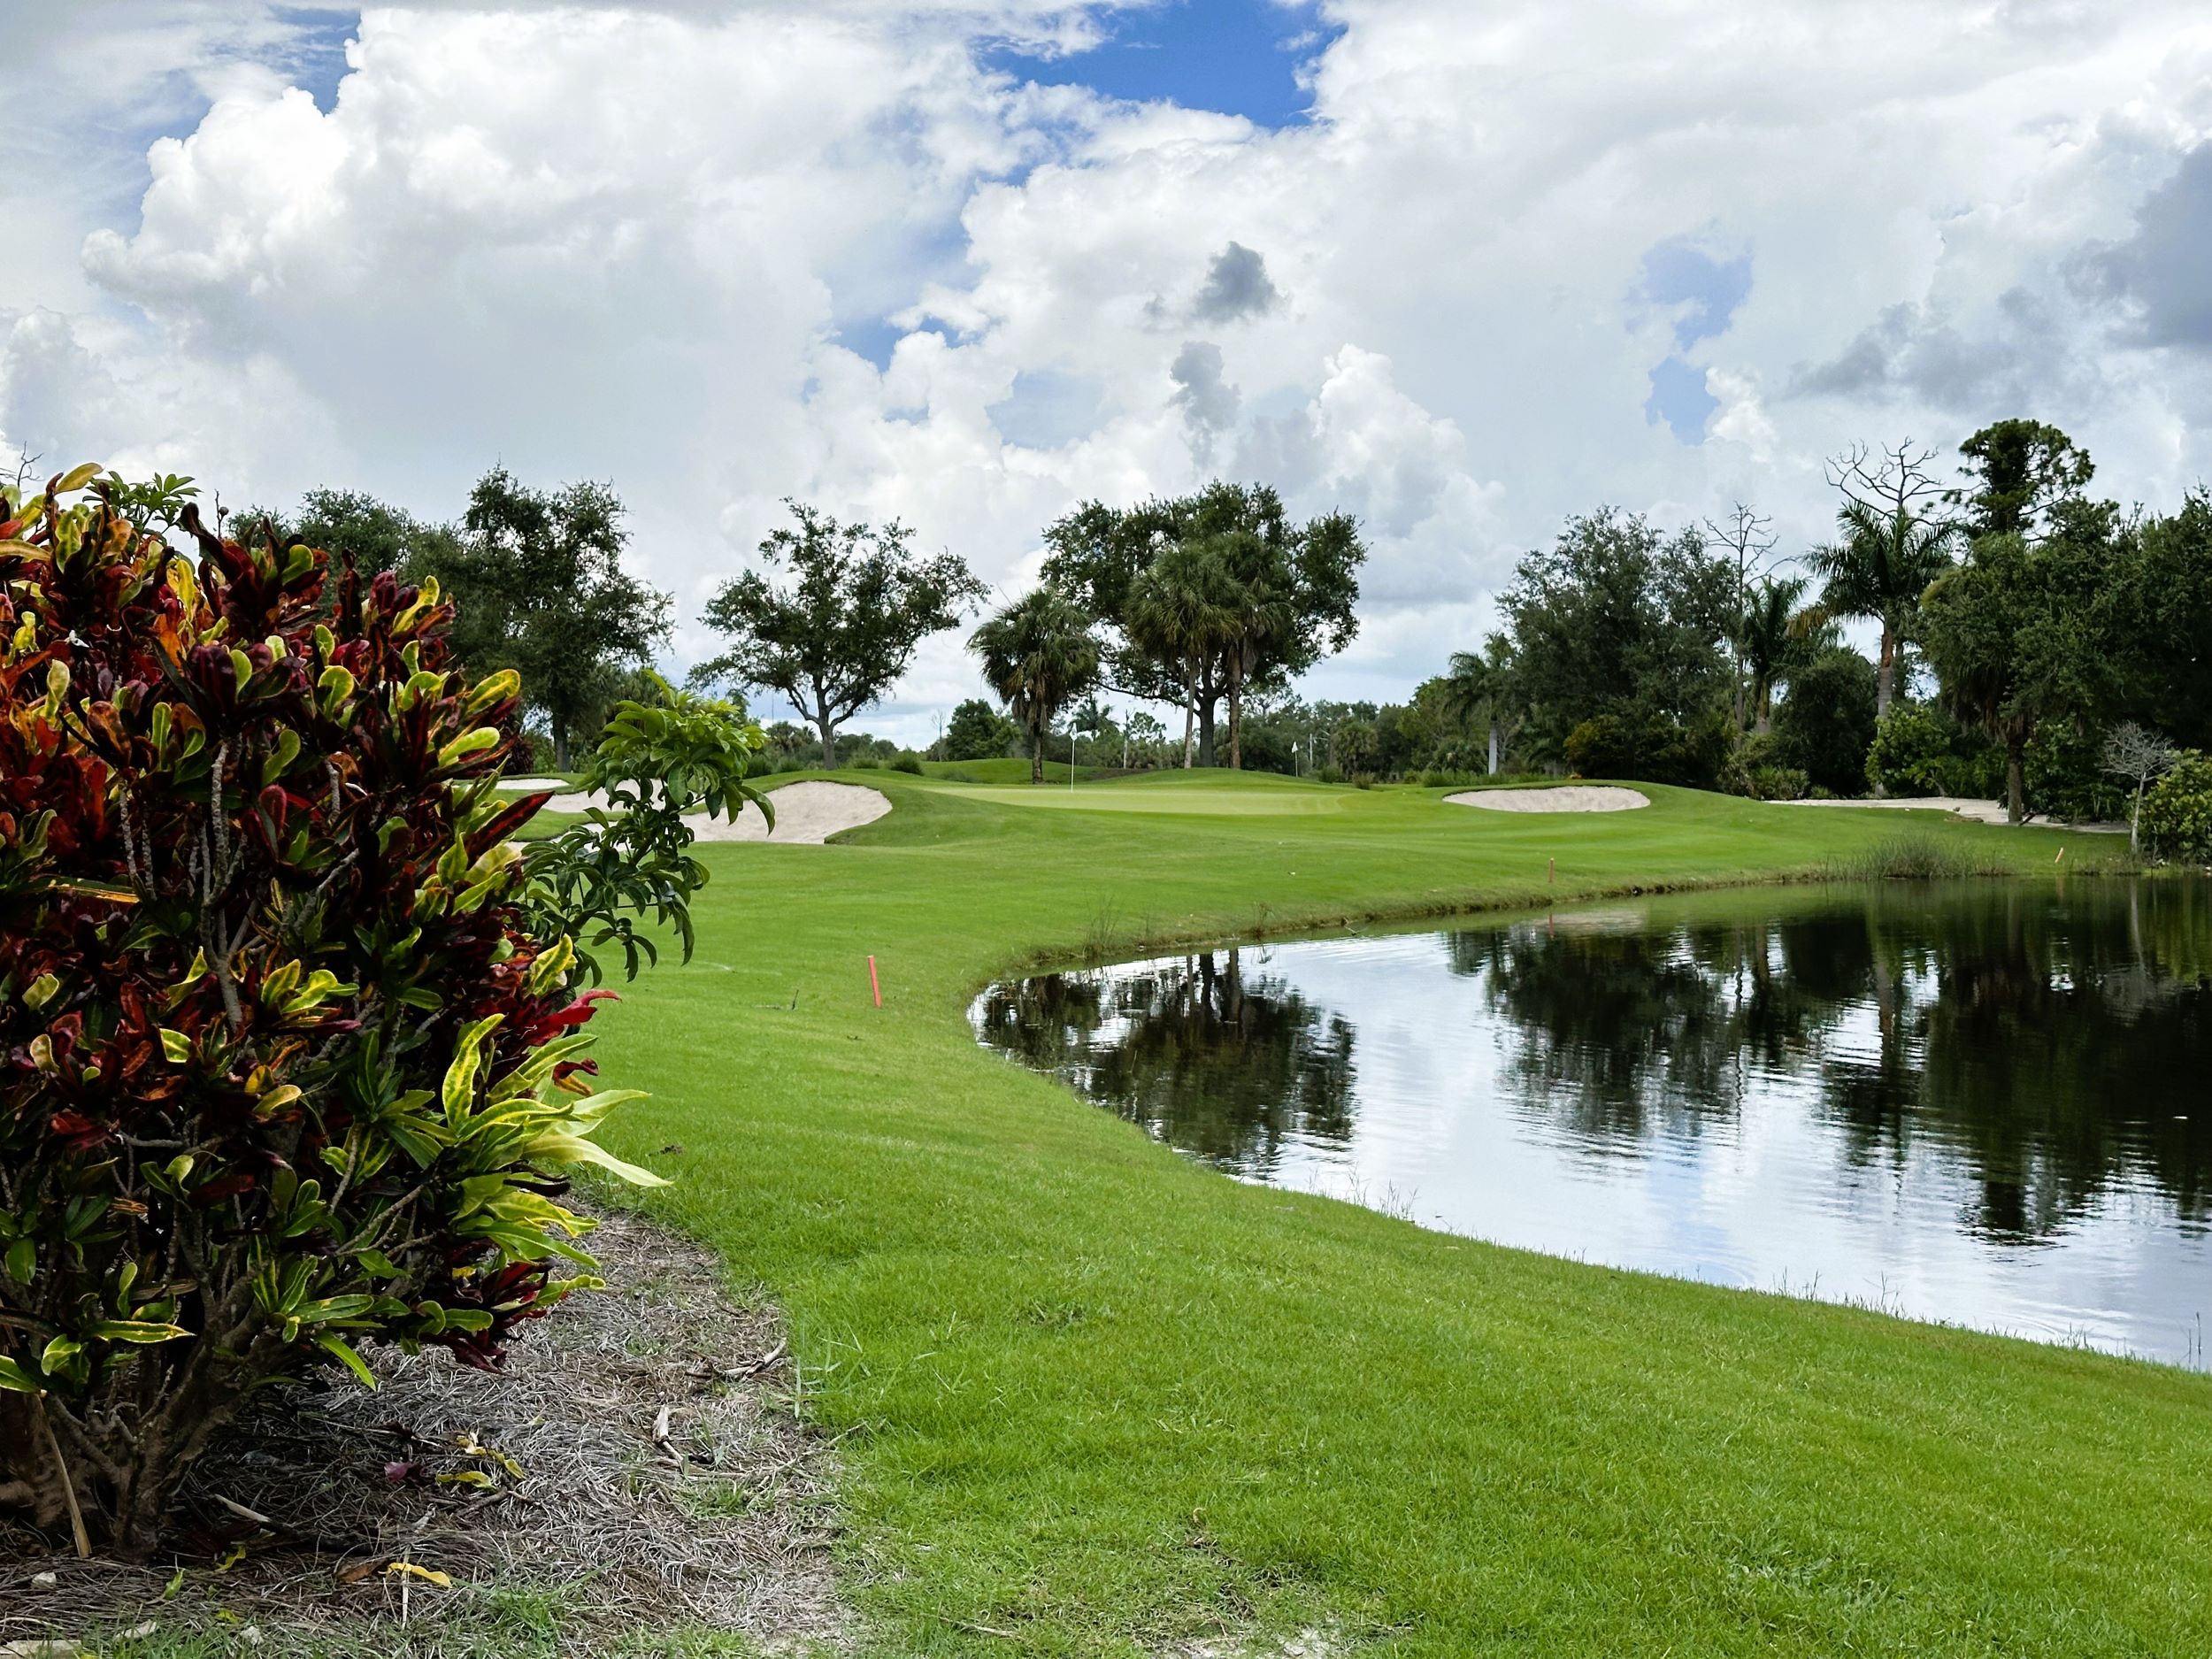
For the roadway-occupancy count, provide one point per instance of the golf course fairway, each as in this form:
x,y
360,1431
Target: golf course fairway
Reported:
x,y
1090,1398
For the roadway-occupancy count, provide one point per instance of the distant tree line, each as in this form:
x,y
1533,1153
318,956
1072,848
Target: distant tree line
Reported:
x,y
1208,604
2030,643
541,587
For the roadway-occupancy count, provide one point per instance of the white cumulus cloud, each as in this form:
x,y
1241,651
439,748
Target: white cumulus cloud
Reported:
x,y
723,253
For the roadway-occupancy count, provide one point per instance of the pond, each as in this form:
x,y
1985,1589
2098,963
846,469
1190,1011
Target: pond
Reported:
x,y
1978,1102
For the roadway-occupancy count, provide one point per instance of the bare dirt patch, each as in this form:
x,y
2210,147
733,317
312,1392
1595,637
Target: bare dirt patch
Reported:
x,y
1566,797
665,1482
807,814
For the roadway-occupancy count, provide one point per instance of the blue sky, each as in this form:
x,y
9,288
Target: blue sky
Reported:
x,y
1236,57
318,62
1700,289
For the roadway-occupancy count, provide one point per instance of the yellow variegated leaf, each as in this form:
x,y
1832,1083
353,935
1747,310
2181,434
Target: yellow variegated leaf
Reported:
x,y
557,1147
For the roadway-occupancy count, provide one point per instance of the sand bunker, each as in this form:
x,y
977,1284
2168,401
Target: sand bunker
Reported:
x,y
1980,812
807,814
1566,797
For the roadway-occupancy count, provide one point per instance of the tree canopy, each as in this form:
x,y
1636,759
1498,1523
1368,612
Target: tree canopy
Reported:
x,y
1773,642
2018,635
351,524
1890,544
977,732
2018,473
836,638
1210,597
1617,621
1039,655
539,581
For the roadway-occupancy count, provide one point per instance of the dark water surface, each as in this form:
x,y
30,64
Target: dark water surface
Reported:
x,y
1980,1103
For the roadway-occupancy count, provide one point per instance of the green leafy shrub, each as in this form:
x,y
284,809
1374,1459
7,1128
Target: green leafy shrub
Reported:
x,y
1824,727
1975,769
977,732
1910,753
2177,819
289,1070
2064,776
908,762
655,761
1651,749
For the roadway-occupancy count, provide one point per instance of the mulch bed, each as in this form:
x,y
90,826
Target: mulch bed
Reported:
x,y
637,1466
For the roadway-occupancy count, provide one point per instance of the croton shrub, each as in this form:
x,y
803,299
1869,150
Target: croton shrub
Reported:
x,y
284,1065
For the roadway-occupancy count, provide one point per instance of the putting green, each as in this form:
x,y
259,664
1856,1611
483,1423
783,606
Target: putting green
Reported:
x,y
1137,798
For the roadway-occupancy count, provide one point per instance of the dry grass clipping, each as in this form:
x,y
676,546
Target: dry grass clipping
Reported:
x,y
637,1462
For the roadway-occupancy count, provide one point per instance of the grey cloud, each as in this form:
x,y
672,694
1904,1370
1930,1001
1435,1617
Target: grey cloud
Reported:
x,y
2159,274
1236,286
1283,451
1916,350
1202,392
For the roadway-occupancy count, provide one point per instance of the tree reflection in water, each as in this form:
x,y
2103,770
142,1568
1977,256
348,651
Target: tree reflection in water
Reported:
x,y
1218,1061
2048,1042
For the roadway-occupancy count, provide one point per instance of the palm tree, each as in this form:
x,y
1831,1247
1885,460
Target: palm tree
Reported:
x,y
1093,720
1474,687
1258,621
1039,654
1770,636
1181,609
1878,568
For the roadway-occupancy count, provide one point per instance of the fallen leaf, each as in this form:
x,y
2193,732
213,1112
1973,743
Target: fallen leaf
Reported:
x,y
492,1454
443,1580
361,1569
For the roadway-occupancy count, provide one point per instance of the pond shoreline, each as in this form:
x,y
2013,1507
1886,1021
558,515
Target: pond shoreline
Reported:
x,y
1297,1102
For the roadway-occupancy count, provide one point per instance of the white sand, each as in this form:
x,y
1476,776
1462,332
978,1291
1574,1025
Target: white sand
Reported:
x,y
1566,797
1980,812
807,814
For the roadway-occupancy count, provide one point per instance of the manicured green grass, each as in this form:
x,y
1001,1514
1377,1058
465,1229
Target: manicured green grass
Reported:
x,y
1003,771
1094,1399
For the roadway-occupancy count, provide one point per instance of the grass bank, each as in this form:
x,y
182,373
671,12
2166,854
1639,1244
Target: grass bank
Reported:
x,y
1095,1400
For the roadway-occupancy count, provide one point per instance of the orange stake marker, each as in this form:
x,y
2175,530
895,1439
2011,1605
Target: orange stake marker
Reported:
x,y
873,985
